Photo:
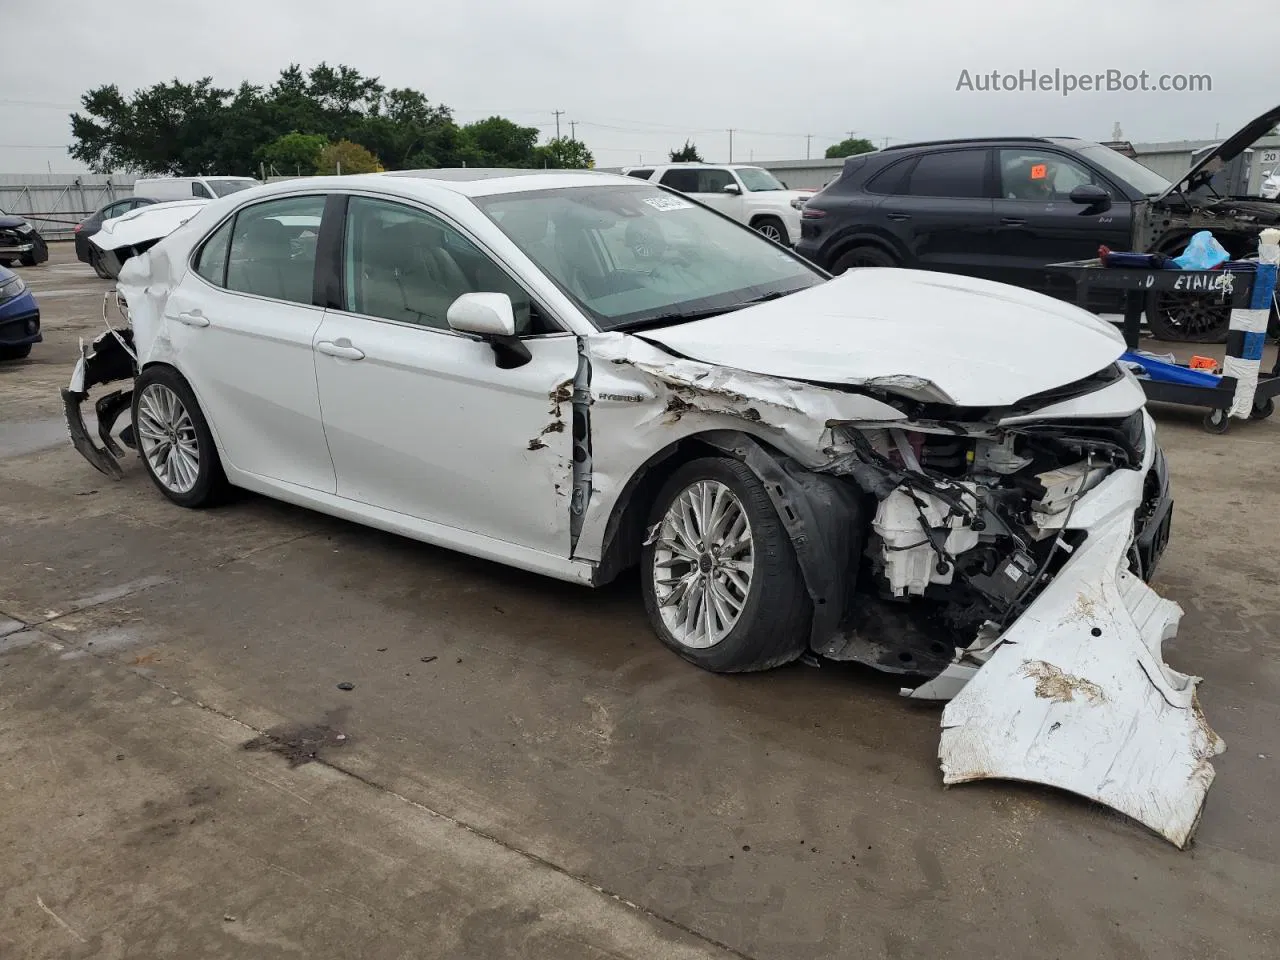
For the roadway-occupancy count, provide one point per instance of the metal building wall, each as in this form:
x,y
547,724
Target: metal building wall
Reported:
x,y
55,203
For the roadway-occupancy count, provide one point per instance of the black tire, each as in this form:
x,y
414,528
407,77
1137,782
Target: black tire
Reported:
x,y
95,261
15,353
862,257
1217,421
6,262
1184,318
1262,409
27,259
768,226
211,486
773,626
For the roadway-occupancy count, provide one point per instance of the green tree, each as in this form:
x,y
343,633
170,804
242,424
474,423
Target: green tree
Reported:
x,y
294,152
347,157
686,154
497,142
564,153
183,128
850,148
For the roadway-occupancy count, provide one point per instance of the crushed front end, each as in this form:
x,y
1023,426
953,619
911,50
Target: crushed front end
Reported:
x,y
1004,568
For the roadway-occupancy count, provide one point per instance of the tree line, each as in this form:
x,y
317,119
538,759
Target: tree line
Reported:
x,y
305,122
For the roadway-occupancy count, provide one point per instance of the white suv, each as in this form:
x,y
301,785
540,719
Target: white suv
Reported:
x,y
751,195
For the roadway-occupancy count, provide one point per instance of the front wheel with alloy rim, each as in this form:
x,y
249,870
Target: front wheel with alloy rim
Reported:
x,y
1187,317
174,440
772,228
721,583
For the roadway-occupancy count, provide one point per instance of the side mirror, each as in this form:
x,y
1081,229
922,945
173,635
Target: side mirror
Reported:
x,y
733,188
1091,195
493,319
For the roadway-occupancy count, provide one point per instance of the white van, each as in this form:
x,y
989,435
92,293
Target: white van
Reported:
x,y
184,188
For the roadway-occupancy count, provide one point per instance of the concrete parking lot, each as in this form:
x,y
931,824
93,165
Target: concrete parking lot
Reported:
x,y
522,770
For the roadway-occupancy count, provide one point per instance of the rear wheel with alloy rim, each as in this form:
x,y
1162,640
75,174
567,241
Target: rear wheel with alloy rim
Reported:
x,y
721,583
1187,317
174,440
862,257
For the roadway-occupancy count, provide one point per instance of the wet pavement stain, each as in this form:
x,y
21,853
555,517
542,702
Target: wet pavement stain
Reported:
x,y
303,743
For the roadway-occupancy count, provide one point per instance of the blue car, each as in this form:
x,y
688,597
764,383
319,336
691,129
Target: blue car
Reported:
x,y
19,317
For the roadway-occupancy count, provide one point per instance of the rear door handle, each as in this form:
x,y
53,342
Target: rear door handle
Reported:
x,y
1013,221
340,348
899,216
193,319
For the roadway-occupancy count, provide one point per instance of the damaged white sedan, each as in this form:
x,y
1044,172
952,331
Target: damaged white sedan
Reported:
x,y
575,373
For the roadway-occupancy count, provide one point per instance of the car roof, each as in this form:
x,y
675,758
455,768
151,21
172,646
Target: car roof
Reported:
x,y
466,181
978,141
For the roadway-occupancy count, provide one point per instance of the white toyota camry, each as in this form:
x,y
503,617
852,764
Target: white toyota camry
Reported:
x,y
576,373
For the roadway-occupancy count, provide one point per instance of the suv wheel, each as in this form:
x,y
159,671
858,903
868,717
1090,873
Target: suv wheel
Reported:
x,y
1187,318
862,257
771,227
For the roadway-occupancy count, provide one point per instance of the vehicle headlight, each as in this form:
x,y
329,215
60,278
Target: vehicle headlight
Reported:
x,y
799,202
12,289
24,227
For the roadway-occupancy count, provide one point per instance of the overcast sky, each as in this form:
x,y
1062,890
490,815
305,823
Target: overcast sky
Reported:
x,y
640,77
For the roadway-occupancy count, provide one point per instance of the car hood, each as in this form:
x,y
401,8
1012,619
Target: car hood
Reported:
x,y
926,335
8,223
143,224
6,275
1230,148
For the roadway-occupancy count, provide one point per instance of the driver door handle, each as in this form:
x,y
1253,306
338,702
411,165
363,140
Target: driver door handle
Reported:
x,y
193,319
899,217
340,348
1013,221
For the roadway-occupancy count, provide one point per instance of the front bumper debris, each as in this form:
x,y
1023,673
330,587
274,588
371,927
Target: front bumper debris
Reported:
x,y
107,359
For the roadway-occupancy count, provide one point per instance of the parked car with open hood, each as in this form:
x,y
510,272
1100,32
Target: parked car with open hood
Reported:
x,y
87,252
1002,208
20,242
19,317
578,373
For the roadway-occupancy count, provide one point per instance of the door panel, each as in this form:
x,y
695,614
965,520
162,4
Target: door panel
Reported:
x,y
941,210
420,419
249,357
1036,222
426,424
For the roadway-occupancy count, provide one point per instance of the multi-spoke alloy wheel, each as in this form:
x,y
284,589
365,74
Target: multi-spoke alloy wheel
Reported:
x,y
167,438
702,564
721,583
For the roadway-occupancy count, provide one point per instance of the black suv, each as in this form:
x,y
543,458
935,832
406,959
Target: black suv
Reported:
x,y
1002,208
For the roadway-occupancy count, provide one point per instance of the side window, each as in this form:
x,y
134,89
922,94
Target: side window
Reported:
x,y
404,264
952,173
273,249
641,174
211,260
891,180
1041,175
198,189
684,180
714,181
119,208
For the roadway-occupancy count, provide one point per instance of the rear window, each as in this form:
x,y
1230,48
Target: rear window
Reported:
x,y
952,173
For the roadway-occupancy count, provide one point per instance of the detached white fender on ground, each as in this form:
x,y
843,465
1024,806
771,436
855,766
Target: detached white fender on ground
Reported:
x,y
1077,695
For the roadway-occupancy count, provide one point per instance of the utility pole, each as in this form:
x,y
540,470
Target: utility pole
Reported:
x,y
808,145
886,143
573,129
558,114
731,144
851,133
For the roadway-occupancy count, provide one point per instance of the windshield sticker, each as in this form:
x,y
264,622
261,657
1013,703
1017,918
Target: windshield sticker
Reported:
x,y
668,203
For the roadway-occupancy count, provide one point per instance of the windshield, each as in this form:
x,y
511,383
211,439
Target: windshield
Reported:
x,y
1123,168
633,256
756,180
223,187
